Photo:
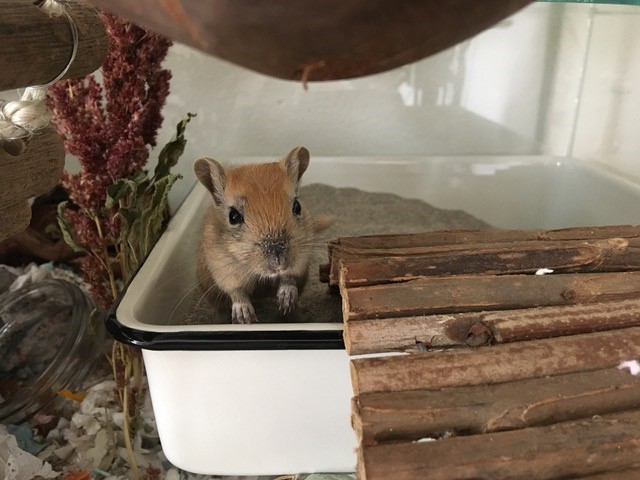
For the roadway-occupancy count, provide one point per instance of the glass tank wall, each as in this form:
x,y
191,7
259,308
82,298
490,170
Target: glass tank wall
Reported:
x,y
556,79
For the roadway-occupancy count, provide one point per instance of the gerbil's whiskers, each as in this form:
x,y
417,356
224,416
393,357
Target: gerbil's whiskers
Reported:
x,y
182,300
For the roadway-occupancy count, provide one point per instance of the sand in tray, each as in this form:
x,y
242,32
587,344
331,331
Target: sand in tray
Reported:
x,y
356,213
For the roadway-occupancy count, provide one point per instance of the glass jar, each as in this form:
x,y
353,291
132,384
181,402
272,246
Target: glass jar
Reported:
x,y
50,338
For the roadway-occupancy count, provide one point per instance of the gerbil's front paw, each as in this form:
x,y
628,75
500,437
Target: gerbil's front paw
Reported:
x,y
287,298
243,313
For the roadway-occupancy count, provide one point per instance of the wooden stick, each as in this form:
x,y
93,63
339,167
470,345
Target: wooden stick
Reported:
x,y
565,450
410,334
610,255
352,248
632,473
411,415
36,48
495,363
476,293
467,237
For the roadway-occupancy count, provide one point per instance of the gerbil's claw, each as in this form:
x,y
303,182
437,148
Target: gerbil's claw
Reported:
x,y
287,298
243,313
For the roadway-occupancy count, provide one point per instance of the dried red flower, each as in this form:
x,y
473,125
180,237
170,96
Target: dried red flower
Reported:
x,y
109,125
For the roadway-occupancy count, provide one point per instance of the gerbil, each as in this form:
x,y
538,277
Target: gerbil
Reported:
x,y
257,237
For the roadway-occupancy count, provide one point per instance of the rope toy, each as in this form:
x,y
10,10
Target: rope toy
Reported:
x,y
21,118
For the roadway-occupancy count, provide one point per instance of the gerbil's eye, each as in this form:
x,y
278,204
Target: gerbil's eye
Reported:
x,y
235,217
296,208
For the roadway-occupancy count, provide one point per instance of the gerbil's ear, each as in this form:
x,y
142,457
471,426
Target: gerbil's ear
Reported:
x,y
295,164
211,174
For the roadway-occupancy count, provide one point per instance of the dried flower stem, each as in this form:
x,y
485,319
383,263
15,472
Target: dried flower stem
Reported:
x,y
109,123
127,435
127,365
107,260
121,247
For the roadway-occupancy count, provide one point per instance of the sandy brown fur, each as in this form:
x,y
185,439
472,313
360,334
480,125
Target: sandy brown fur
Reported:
x,y
233,266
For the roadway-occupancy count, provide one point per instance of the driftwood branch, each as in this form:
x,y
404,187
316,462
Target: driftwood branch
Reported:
x,y
36,48
476,293
495,363
411,415
566,450
411,334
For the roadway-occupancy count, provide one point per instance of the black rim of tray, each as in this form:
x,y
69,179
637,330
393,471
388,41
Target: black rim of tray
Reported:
x,y
221,340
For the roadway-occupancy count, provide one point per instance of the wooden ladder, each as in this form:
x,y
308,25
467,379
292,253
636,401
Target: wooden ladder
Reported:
x,y
545,397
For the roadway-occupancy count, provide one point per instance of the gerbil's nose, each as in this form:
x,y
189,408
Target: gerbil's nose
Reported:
x,y
276,252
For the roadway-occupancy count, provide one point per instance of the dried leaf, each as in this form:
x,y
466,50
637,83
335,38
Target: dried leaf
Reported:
x,y
130,235
154,214
173,150
65,228
125,187
142,182
127,219
143,212
118,191
100,449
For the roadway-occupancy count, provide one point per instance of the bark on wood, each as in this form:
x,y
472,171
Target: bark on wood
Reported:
x,y
410,334
626,474
495,363
310,40
15,218
468,237
411,415
476,293
565,450
461,241
609,255
36,48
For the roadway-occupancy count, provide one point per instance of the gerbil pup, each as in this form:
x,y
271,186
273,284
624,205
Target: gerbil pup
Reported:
x,y
257,238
